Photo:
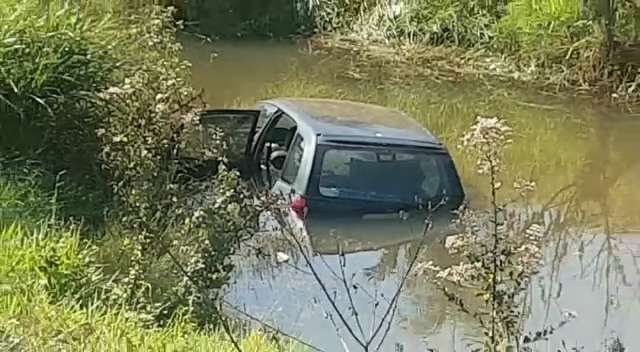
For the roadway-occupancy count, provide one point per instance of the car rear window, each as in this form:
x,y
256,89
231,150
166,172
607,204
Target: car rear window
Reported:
x,y
385,175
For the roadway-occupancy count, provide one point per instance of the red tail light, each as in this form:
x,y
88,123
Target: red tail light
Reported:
x,y
299,206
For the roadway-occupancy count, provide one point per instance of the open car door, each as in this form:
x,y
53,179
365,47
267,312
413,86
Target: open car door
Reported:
x,y
238,128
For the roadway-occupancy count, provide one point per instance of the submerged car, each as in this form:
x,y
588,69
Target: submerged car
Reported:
x,y
335,158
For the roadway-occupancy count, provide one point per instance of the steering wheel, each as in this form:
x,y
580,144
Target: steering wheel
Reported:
x,y
277,158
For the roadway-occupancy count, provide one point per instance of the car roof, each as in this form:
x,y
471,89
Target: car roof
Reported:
x,y
351,121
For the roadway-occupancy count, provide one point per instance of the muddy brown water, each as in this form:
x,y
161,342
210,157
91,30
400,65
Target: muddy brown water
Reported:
x,y
585,158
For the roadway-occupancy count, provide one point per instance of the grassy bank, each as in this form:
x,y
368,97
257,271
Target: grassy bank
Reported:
x,y
102,246
51,300
60,288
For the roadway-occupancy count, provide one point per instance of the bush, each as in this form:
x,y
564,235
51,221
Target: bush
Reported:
x,y
544,29
441,22
554,43
107,100
53,60
150,114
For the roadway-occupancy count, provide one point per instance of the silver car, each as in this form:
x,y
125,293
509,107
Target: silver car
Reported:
x,y
338,157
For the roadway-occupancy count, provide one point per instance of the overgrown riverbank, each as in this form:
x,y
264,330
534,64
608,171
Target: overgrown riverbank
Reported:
x,y
58,290
587,46
584,46
102,246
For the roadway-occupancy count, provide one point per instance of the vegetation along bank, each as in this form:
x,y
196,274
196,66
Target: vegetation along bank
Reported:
x,y
101,245
589,46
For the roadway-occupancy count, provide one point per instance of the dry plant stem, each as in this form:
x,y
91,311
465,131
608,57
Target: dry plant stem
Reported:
x,y
391,308
494,282
394,301
307,260
216,311
388,328
335,325
393,305
271,327
343,263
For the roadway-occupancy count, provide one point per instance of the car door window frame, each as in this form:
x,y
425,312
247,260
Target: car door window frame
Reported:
x,y
267,113
258,147
271,120
298,140
251,113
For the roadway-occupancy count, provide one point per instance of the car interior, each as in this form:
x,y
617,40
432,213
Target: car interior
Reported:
x,y
275,149
280,140
397,178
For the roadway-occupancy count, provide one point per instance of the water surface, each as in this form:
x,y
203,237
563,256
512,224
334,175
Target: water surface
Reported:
x,y
584,157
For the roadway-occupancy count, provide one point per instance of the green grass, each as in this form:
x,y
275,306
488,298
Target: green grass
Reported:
x,y
25,200
42,272
56,294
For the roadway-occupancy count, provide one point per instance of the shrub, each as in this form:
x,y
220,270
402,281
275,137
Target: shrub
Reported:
x,y
53,60
150,116
107,100
442,22
500,249
543,30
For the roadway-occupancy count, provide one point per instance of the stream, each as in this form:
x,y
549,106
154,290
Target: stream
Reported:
x,y
584,157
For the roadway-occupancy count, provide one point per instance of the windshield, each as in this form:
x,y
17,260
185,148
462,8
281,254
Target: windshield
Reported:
x,y
386,175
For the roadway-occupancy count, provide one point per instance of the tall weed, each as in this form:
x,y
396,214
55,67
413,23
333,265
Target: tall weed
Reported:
x,y
52,61
441,22
445,22
541,28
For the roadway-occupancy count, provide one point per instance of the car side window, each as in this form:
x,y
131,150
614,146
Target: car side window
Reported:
x,y
294,160
281,134
266,112
273,148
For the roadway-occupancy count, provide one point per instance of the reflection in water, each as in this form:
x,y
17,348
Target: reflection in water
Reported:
x,y
586,162
591,255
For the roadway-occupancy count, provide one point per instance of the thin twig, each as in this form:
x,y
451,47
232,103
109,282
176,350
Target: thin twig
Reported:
x,y
342,263
225,325
396,296
355,285
271,327
320,282
388,328
374,308
494,279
